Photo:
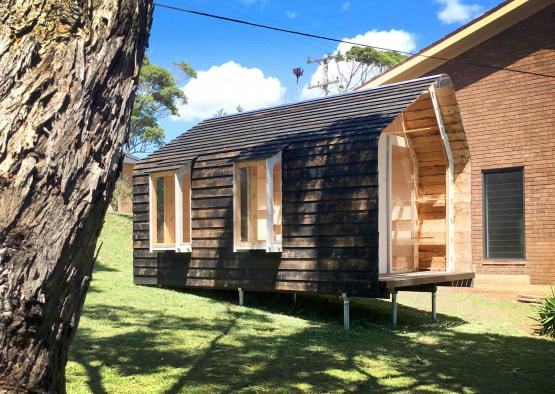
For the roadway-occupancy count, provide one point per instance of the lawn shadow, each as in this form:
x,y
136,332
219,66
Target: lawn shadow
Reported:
x,y
246,350
364,312
100,267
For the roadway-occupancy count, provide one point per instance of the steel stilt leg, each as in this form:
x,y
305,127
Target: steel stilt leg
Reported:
x,y
394,308
346,317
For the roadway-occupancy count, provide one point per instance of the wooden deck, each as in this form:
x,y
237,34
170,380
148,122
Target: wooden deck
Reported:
x,y
409,279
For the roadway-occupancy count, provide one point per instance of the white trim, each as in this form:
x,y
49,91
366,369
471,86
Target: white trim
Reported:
x,y
155,247
245,247
181,247
383,203
385,144
236,211
270,246
151,208
450,186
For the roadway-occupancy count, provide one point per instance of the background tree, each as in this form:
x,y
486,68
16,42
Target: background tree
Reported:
x,y
157,96
68,71
359,64
297,72
219,113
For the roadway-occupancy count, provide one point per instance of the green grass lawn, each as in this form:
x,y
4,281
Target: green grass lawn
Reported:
x,y
135,339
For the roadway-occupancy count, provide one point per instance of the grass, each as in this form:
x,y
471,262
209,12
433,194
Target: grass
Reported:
x,y
150,340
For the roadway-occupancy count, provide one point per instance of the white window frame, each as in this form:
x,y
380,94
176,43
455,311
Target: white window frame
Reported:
x,y
270,246
385,144
179,246
450,186
153,246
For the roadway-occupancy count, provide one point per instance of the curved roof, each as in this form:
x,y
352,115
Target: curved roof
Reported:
x,y
273,128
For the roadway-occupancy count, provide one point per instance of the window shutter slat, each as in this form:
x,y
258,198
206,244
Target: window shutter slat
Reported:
x,y
504,214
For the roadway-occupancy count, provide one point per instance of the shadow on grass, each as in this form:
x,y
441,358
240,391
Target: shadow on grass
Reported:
x,y
364,312
247,351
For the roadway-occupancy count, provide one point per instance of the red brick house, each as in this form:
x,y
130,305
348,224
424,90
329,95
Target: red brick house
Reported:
x,y
502,65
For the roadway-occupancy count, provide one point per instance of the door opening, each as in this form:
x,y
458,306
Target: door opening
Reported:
x,y
397,210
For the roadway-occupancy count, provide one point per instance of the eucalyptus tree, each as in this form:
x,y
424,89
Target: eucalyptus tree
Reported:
x,y
68,72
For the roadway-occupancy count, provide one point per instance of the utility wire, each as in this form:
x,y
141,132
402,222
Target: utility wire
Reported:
x,y
300,33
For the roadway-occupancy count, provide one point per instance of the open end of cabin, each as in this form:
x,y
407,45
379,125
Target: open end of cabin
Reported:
x,y
422,165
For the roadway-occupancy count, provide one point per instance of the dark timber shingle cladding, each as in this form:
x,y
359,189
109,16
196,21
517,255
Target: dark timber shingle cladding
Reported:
x,y
330,191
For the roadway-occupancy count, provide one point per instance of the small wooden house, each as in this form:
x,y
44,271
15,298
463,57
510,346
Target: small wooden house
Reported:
x,y
357,194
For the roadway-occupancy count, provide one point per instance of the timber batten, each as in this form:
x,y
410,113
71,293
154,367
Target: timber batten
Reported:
x,y
329,207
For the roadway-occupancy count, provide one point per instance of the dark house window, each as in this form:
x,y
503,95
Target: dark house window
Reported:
x,y
504,214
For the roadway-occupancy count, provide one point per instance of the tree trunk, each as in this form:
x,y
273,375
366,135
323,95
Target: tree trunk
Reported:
x,y
68,70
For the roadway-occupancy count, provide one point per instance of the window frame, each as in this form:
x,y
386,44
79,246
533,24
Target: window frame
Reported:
x,y
153,176
181,246
485,254
269,244
178,245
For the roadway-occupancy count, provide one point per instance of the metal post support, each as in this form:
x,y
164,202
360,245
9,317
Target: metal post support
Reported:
x,y
346,316
394,308
434,309
241,297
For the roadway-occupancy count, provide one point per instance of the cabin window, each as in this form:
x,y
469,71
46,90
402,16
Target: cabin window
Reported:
x,y
162,210
504,214
170,210
257,205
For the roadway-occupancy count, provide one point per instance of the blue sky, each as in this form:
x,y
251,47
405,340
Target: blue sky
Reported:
x,y
252,67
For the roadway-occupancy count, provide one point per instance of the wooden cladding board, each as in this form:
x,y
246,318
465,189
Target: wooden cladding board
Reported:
x,y
330,231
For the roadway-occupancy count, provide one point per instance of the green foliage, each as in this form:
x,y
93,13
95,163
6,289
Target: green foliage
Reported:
x,y
359,64
222,112
219,113
157,96
186,69
546,316
372,57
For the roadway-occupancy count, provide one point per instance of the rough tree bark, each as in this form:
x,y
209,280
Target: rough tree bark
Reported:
x,y
68,72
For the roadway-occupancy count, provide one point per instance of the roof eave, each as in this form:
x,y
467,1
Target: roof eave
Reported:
x,y
468,36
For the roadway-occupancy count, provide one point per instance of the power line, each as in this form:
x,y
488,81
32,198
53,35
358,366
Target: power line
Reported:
x,y
300,33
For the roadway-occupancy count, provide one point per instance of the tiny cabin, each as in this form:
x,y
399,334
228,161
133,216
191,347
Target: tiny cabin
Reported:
x,y
361,194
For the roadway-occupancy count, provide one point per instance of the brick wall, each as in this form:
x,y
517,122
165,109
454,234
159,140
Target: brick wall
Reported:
x,y
509,120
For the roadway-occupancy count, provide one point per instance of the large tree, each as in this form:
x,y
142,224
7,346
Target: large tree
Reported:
x,y
157,96
359,64
68,70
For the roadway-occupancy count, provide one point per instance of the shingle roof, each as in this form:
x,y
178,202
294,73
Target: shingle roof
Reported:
x,y
357,112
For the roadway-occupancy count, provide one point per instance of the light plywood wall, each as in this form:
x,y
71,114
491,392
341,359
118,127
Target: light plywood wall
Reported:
x,y
423,136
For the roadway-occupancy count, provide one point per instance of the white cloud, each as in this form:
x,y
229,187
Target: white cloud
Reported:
x,y
398,40
454,11
290,14
346,6
227,86
248,3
